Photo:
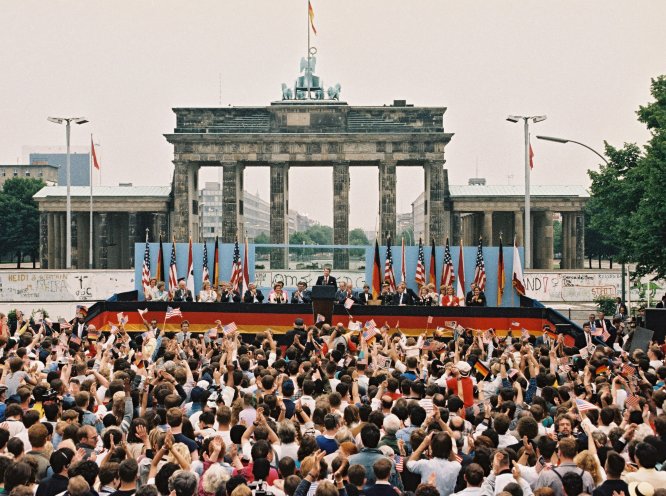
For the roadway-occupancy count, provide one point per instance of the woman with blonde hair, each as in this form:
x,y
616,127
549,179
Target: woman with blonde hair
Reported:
x,y
590,463
448,298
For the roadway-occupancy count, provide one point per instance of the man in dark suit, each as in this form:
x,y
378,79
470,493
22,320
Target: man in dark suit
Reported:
x,y
298,330
182,293
327,279
544,339
229,294
301,295
365,296
253,295
605,325
402,297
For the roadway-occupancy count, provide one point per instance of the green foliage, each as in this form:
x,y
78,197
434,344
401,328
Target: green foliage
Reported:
x,y
605,304
408,235
19,223
358,237
262,239
627,210
557,237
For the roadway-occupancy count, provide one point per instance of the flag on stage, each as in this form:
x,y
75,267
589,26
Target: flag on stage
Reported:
x,y
403,265
447,267
480,270
216,265
246,268
229,328
552,335
311,16
205,275
160,262
145,274
531,157
501,276
376,274
389,275
173,274
419,276
481,368
94,155
584,406
460,286
517,279
190,270
433,265
236,268
173,312
349,303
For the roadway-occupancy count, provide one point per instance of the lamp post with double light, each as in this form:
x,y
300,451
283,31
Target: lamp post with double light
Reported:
x,y
68,227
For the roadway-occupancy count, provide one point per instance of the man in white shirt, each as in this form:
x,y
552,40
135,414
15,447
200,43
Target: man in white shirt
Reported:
x,y
473,476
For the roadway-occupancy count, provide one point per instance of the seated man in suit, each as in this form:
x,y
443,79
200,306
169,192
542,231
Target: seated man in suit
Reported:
x,y
327,279
402,297
365,296
301,295
253,295
342,293
182,293
229,294
386,296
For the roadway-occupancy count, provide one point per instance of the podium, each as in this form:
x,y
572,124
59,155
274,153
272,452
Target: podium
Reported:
x,y
323,299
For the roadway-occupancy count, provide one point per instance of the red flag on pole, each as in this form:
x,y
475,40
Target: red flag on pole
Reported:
x,y
190,270
376,273
94,155
433,265
531,157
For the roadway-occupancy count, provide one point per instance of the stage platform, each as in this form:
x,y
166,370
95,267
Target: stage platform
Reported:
x,y
253,318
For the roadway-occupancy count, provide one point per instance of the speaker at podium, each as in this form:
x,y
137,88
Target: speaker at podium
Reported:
x,y
323,299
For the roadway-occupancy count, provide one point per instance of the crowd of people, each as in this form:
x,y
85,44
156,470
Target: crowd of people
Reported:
x,y
325,411
391,294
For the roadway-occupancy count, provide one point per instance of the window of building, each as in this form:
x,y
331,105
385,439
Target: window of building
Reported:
x,y
41,173
27,173
3,172
15,172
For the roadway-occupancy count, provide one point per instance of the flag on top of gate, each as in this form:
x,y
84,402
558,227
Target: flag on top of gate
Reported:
x,y
190,269
205,275
447,267
389,275
236,268
94,155
517,279
480,270
531,157
173,274
419,276
432,274
311,17
145,274
172,312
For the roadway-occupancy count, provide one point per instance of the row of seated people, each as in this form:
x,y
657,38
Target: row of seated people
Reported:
x,y
402,296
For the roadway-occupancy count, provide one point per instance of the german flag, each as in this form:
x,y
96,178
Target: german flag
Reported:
x,y
552,335
601,369
481,368
311,16
216,268
376,273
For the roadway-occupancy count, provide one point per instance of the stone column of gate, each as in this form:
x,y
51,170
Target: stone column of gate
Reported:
x,y
50,253
435,194
59,236
182,203
579,257
341,214
566,240
488,228
43,240
387,200
102,226
132,237
232,201
548,237
518,228
279,214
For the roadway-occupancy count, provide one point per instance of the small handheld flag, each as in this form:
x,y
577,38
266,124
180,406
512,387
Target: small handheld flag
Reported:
x,y
229,328
173,312
584,406
349,303
122,318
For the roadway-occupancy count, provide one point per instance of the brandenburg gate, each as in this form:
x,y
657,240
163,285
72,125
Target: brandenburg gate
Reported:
x,y
309,133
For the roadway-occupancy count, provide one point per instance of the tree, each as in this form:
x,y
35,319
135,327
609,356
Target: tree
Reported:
x,y
627,204
19,222
557,238
358,237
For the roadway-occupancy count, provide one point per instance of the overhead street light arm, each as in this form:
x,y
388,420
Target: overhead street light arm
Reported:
x,y
562,140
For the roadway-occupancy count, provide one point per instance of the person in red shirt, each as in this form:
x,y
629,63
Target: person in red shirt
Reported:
x,y
460,376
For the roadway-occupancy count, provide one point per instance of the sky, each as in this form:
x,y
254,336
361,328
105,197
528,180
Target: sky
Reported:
x,y
125,64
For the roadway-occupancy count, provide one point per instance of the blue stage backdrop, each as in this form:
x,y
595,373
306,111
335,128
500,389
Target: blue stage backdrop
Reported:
x,y
490,255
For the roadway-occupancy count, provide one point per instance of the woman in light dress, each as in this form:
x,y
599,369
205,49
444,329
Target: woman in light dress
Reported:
x,y
207,294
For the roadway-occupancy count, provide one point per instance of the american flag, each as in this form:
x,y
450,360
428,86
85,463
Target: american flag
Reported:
x,y
64,325
584,406
605,335
145,275
370,330
399,463
229,328
480,271
349,303
173,312
524,333
628,370
632,401
173,274
205,275
236,269
74,339
447,268
419,277
389,275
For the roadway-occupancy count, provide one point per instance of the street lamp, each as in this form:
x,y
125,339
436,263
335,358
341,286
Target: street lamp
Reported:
x,y
562,140
528,235
68,121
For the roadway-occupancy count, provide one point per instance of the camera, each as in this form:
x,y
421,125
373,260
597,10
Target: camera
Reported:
x,y
259,488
